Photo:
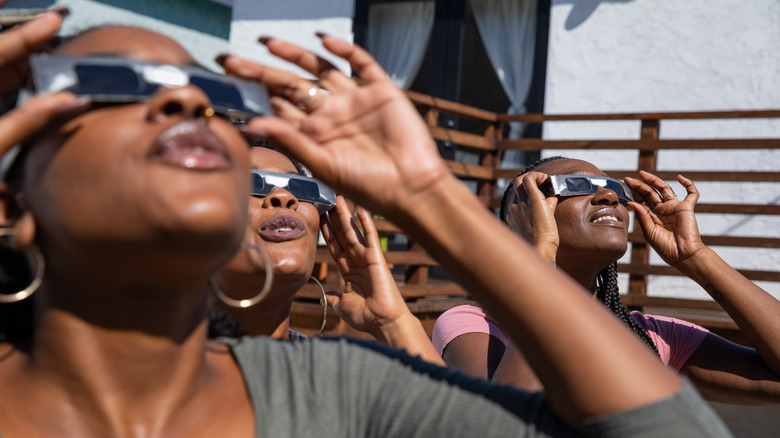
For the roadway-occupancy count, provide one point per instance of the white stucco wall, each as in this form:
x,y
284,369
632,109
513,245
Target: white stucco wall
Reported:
x,y
618,56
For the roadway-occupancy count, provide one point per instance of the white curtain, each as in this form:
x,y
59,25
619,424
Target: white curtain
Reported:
x,y
508,30
397,37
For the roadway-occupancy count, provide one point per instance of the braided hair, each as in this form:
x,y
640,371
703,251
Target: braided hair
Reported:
x,y
607,290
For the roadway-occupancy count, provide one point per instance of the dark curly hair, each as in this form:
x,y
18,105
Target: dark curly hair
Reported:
x,y
607,290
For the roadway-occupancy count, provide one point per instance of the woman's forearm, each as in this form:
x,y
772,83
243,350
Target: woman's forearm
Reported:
x,y
752,308
408,333
586,359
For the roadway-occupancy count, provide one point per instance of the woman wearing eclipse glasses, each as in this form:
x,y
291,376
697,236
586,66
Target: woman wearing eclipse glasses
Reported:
x,y
129,209
285,209
283,242
577,218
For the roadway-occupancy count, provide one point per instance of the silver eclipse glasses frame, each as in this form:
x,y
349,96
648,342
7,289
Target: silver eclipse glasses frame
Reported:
x,y
106,79
304,188
578,185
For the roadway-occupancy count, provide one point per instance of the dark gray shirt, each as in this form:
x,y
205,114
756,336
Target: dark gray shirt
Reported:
x,y
352,388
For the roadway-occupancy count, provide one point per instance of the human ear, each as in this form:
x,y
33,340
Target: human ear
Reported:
x,y
17,224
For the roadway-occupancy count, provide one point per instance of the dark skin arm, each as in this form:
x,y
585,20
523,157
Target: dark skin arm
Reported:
x,y
476,354
515,370
722,370
369,142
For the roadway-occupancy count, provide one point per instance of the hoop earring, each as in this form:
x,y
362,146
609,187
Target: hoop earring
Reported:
x,y
269,276
324,302
40,268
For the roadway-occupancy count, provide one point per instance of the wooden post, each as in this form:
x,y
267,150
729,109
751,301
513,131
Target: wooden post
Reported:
x,y
640,253
416,274
488,189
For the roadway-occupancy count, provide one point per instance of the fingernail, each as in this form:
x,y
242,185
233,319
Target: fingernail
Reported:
x,y
220,59
264,39
62,10
320,34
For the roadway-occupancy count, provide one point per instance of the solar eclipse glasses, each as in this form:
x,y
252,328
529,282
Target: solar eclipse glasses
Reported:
x,y
302,187
578,185
118,80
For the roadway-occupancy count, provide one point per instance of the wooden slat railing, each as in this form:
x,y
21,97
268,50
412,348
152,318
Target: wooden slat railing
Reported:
x,y
428,293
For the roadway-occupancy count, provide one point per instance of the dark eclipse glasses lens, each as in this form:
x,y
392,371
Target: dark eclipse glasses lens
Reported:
x,y
220,94
578,185
107,79
119,80
305,189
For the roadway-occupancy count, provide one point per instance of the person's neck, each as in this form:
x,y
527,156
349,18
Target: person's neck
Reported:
x,y
584,275
125,378
135,365
269,317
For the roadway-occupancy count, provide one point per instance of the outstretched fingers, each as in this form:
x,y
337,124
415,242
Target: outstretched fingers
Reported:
x,y
530,184
334,300
23,123
663,189
329,235
16,44
362,63
370,235
286,110
286,135
279,82
644,216
692,193
346,230
643,193
21,41
329,75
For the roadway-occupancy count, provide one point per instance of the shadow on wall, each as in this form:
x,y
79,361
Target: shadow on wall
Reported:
x,y
747,219
582,9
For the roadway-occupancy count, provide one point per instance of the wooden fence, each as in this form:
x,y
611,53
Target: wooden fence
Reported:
x,y
428,293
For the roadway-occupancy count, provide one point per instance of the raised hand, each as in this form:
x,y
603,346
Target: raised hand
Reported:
x,y
371,301
668,224
22,123
18,126
533,216
18,43
371,298
367,140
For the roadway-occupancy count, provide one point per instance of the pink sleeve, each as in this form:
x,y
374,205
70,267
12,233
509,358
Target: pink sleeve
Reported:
x,y
674,338
460,320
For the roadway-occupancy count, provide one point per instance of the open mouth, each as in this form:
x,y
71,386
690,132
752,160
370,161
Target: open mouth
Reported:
x,y
191,145
607,216
281,228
